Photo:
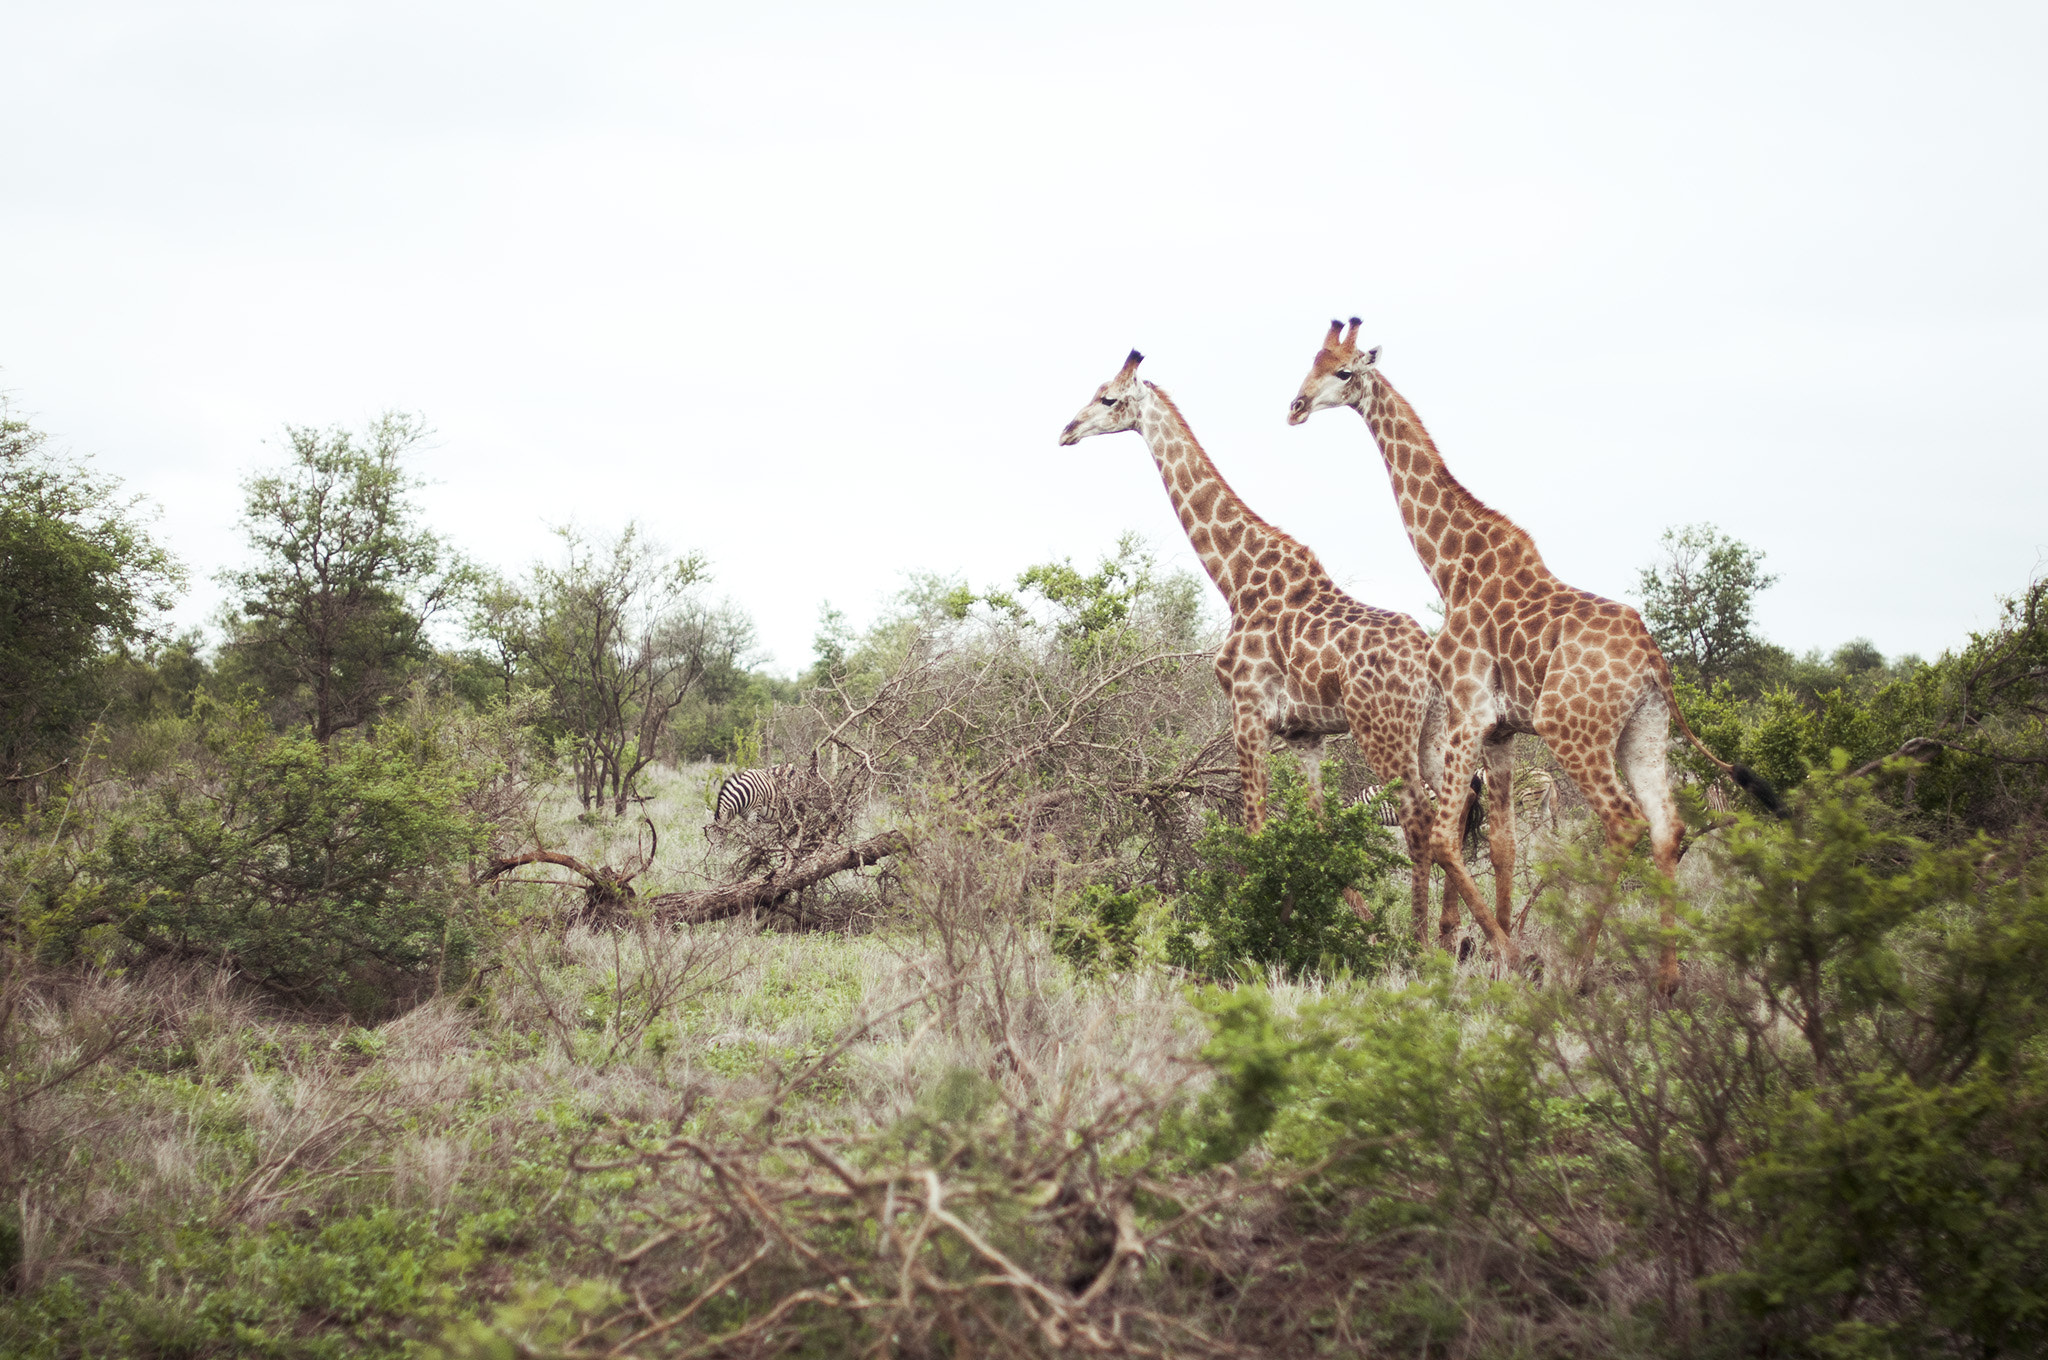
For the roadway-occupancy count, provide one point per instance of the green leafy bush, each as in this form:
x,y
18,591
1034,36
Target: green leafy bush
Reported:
x,y
80,579
1275,898
1972,719
1907,1157
1099,930
328,873
1831,1141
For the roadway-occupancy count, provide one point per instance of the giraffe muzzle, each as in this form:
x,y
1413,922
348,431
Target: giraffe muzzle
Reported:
x,y
1297,411
1067,436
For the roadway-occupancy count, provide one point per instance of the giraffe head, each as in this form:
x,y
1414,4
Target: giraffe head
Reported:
x,y
1114,406
1337,376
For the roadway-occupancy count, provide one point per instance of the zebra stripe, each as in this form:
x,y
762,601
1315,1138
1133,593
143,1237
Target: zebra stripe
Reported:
x,y
1388,813
744,788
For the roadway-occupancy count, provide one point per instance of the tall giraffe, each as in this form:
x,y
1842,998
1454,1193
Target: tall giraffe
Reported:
x,y
1303,660
1521,651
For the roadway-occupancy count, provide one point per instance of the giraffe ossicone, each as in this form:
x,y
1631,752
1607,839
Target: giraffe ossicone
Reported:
x,y
1303,660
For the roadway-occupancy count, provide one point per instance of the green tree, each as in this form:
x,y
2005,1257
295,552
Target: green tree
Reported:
x,y
1699,603
1125,590
618,636
80,578
333,612
1125,597
712,722
1828,1143
833,643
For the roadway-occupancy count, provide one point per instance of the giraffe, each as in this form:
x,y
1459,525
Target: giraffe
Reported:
x,y
1303,660
1521,651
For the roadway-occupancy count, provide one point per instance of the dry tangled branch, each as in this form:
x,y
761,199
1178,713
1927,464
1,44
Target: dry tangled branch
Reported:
x,y
1093,752
988,1222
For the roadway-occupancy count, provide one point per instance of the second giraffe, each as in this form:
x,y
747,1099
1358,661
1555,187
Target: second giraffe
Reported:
x,y
1521,651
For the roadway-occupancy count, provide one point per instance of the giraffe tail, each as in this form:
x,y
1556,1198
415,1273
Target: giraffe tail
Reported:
x,y
1760,789
1746,779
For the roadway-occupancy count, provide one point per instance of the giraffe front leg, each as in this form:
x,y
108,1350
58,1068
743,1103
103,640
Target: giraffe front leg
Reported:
x,y
1500,828
1459,757
1249,726
1415,829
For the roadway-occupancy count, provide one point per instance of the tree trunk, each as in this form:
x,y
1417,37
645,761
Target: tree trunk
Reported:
x,y
737,899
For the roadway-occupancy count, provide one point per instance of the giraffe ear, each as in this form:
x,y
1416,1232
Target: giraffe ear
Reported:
x,y
1372,356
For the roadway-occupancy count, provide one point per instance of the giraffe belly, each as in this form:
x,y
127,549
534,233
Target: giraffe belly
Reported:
x,y
1516,694
1291,713
1510,717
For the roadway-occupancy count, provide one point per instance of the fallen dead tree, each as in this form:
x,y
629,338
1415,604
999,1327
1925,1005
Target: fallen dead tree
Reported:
x,y
766,894
606,891
608,896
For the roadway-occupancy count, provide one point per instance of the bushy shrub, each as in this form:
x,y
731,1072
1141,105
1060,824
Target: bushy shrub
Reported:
x,y
1829,1142
330,874
1274,898
80,579
1099,930
1972,719
1907,1157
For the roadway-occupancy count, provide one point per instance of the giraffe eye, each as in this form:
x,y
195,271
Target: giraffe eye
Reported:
x,y
1109,401
1345,374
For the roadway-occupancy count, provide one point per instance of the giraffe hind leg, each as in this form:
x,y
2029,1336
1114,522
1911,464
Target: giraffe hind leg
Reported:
x,y
1645,741
1415,832
1249,728
1590,765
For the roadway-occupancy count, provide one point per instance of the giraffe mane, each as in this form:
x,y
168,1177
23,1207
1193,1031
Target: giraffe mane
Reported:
x,y
1315,563
1481,511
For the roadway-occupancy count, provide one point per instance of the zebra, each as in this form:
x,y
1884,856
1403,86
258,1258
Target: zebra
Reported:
x,y
1388,814
744,788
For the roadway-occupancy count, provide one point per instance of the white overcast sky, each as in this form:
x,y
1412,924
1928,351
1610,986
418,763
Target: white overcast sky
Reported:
x,y
814,287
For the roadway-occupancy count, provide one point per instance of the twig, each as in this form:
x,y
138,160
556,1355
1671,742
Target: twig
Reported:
x,y
710,1291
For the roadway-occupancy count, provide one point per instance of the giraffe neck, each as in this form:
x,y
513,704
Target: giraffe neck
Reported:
x,y
1225,533
1461,541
